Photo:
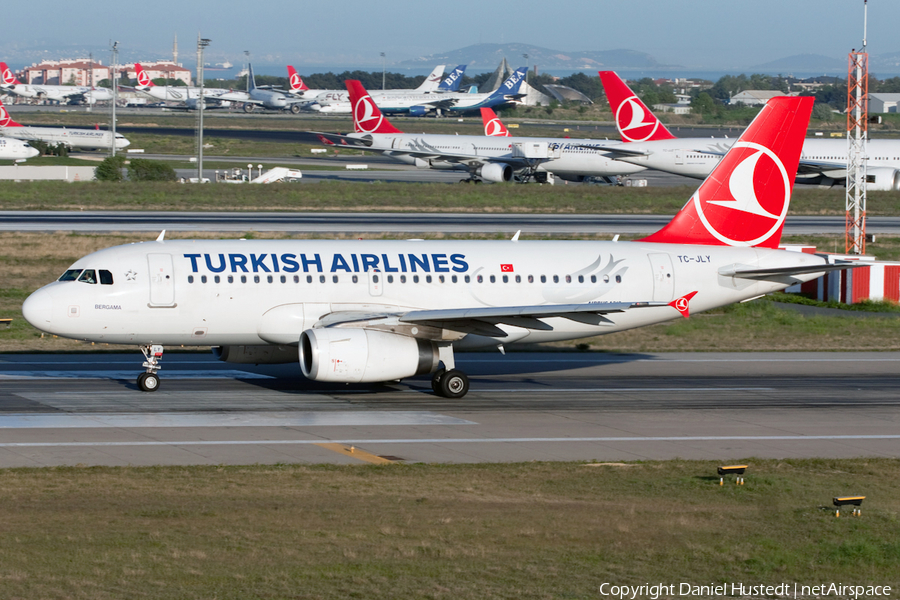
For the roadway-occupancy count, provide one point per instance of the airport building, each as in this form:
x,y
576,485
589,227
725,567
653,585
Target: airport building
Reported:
x,y
80,71
163,69
883,103
756,97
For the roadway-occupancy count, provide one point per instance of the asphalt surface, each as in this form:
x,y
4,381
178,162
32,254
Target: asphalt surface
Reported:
x,y
99,221
85,409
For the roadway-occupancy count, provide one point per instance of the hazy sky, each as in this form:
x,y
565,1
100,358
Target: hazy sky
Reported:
x,y
702,34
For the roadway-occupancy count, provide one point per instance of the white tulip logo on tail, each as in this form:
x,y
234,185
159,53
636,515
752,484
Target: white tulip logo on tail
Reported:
x,y
367,118
296,82
634,123
5,119
8,77
494,128
753,204
143,78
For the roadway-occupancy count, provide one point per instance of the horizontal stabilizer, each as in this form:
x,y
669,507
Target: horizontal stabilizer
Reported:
x,y
750,273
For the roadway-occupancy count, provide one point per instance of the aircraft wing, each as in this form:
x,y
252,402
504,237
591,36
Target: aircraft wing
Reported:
x,y
813,167
744,272
337,139
484,320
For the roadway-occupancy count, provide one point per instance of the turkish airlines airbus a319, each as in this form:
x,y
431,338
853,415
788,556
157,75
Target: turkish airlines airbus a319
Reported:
x,y
374,311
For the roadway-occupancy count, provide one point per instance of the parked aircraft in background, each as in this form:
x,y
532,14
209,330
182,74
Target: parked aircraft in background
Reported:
x,y
71,138
266,98
416,104
10,84
186,95
13,149
376,310
649,144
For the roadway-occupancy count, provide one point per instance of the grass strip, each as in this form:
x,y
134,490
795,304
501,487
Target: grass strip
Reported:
x,y
535,530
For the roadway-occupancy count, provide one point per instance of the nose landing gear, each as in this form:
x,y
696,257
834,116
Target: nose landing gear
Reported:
x,y
149,380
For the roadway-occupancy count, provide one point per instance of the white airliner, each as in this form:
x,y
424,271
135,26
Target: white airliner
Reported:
x,y
72,138
374,311
17,150
417,104
10,84
186,94
649,144
491,158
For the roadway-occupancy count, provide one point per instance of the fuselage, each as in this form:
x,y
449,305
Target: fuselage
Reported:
x,y
696,157
180,93
73,138
57,92
250,292
13,149
565,157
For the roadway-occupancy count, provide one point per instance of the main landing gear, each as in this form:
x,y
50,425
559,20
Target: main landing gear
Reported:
x,y
149,380
449,381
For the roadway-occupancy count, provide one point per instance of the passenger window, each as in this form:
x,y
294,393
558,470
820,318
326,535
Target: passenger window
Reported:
x,y
269,278
556,279
390,278
190,279
428,279
88,276
106,278
543,279
581,279
593,279
415,279
355,279
283,279
453,278
309,279
256,279
321,279
506,279
531,279
334,278
606,279
518,279
441,278
296,279
403,279
479,279
468,279
493,279
618,279
231,279
217,279
70,275
568,279
243,279
203,279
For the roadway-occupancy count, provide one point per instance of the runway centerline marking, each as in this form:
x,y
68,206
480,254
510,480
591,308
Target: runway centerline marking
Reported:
x,y
711,438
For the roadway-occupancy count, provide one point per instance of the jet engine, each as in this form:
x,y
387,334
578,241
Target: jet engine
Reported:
x,y
882,179
256,355
361,355
495,172
418,111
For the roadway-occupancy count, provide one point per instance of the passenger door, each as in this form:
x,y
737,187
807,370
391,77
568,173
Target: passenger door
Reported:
x,y
663,277
162,280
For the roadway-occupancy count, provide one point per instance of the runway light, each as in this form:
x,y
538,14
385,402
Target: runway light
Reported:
x,y
737,470
854,501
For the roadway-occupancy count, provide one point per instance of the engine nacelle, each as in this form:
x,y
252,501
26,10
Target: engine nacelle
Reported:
x,y
257,355
348,355
418,111
495,172
882,179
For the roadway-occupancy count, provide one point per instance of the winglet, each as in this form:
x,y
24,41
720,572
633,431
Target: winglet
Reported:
x,y
634,120
367,118
162,236
682,304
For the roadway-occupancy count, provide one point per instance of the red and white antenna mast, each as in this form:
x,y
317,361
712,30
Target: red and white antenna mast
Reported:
x,y
857,132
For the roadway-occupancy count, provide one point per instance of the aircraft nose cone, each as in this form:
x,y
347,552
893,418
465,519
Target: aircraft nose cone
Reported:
x,y
38,308
32,152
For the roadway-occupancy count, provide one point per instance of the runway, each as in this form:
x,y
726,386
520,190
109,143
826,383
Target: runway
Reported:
x,y
377,222
85,409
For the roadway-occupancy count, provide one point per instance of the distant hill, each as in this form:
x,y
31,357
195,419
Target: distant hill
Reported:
x,y
488,56
802,62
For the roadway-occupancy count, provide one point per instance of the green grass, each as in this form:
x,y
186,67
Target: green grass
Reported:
x,y
49,195
536,530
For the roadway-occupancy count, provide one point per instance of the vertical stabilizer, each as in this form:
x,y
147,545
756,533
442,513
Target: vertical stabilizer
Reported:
x,y
367,118
634,120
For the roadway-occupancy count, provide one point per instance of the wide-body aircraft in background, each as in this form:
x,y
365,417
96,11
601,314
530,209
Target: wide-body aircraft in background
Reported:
x,y
187,95
488,158
648,143
10,84
377,311
86,139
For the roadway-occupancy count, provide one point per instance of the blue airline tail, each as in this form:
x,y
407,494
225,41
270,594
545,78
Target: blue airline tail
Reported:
x,y
511,86
251,80
451,82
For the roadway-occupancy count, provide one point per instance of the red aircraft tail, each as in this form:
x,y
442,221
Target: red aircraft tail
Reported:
x,y
633,119
7,77
296,82
493,126
367,118
142,78
745,199
5,119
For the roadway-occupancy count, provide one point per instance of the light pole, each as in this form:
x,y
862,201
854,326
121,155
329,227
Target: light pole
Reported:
x,y
382,71
201,44
112,68
525,56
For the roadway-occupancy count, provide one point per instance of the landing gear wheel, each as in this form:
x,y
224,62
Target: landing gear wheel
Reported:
x,y
248,108
436,381
295,108
454,384
148,382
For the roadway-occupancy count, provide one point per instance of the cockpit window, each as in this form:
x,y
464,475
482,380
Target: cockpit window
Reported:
x,y
70,275
89,276
105,278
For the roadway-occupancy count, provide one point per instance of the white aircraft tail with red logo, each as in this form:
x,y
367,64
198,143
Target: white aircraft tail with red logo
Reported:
x,y
5,119
634,120
493,126
295,81
367,118
7,77
141,75
745,199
